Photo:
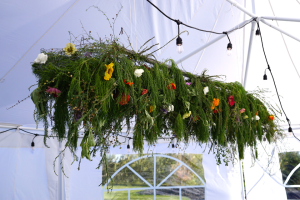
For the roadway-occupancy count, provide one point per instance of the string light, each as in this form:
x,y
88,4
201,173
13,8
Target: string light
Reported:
x,y
290,130
179,40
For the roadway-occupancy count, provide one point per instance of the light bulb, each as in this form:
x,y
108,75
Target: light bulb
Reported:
x,y
179,45
257,33
32,145
229,49
229,52
128,148
180,48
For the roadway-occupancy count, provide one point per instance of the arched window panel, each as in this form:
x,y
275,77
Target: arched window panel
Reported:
x,y
290,168
155,176
288,162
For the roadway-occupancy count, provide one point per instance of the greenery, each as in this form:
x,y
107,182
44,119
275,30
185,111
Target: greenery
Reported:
x,y
96,88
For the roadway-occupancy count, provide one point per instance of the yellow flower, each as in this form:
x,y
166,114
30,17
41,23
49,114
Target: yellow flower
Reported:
x,y
69,49
109,71
186,115
152,108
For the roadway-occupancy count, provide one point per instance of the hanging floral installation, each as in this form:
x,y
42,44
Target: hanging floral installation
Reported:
x,y
102,88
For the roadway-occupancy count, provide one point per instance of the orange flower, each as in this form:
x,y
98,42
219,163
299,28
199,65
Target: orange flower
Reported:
x,y
171,86
256,112
216,102
128,83
144,91
271,117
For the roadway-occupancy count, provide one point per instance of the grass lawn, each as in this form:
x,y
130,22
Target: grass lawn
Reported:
x,y
134,194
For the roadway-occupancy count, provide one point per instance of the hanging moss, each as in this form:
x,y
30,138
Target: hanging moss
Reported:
x,y
102,92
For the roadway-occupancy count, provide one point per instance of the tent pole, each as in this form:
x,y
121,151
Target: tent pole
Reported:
x,y
253,26
281,18
262,20
60,175
279,29
210,43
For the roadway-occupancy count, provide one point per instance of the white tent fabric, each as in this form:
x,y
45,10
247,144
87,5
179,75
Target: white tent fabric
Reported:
x,y
263,177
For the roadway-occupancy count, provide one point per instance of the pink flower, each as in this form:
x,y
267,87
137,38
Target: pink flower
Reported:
x,y
242,110
188,83
53,91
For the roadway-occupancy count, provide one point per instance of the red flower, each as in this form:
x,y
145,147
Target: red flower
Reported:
x,y
124,100
128,83
230,101
171,86
53,91
144,91
215,111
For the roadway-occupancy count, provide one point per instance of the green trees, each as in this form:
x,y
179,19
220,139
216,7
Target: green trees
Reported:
x,y
164,166
288,161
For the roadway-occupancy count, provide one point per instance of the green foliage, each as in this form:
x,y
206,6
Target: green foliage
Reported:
x,y
103,107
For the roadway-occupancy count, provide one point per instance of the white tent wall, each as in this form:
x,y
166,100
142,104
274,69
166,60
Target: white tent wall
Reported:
x,y
28,174
263,177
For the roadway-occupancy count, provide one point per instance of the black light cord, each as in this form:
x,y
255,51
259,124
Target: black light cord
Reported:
x,y
287,119
179,22
36,135
7,130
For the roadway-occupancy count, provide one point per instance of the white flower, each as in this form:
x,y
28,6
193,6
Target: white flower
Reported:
x,y
138,72
41,59
256,118
214,123
170,108
205,90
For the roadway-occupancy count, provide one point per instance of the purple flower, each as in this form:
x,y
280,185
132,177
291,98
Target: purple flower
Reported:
x,y
188,83
165,111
